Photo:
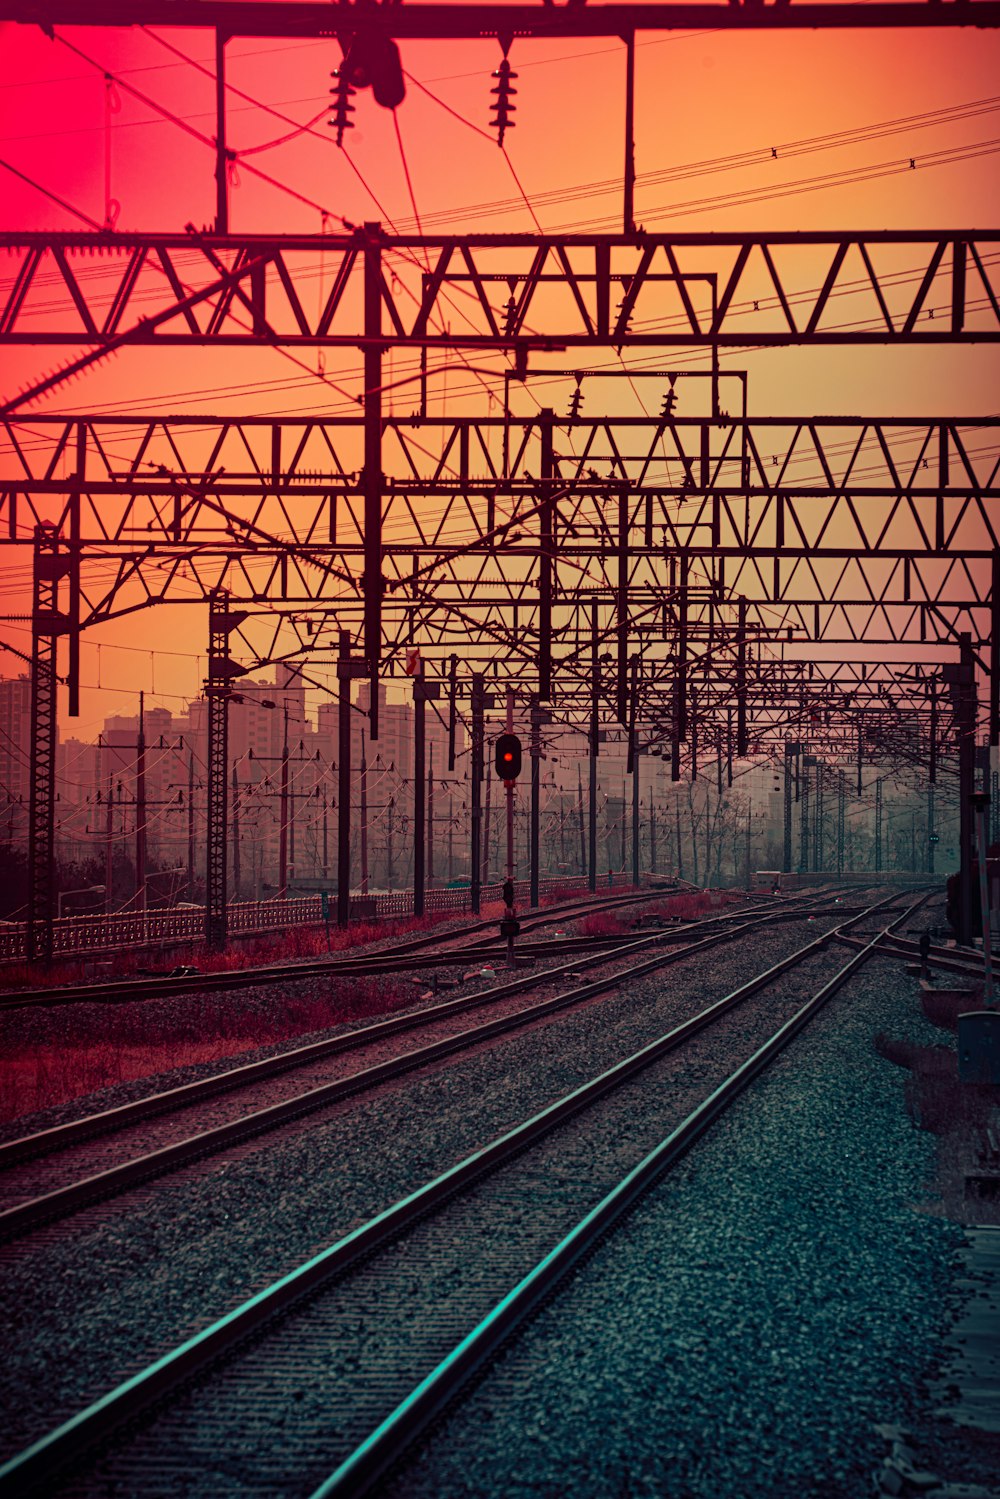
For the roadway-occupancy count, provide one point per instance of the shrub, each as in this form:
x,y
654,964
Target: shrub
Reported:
x,y
136,1041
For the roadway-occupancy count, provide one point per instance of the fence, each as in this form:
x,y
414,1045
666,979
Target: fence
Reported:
x,y
73,935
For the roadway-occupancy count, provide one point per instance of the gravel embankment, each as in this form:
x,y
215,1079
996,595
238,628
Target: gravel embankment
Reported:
x,y
352,1003
37,1177
753,1320
83,1312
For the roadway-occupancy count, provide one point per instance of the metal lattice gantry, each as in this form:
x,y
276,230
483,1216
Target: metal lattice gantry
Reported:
x,y
516,293
310,18
644,570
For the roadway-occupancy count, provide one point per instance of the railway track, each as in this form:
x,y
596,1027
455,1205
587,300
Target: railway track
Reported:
x,y
388,959
47,1177
327,1367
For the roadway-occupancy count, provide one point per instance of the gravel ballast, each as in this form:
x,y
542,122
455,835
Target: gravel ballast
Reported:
x,y
83,1312
759,1313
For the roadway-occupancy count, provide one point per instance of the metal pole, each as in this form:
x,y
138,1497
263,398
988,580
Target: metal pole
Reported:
x,y
629,201
140,809
966,781
419,791
579,810
372,480
535,810
742,738
390,871
364,821
981,802
292,798
109,846
878,826
818,815
635,814
236,833
546,555
995,651
190,826
509,789
621,611
595,708
786,853
452,710
344,774
221,162
283,815
475,792
487,850
430,817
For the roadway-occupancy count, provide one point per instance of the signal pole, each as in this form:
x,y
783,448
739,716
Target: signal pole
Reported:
x,y
364,821
140,809
430,817
595,707
509,788
476,791
419,790
109,844
236,834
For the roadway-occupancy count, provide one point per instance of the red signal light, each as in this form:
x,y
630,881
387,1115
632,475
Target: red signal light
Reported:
x,y
508,757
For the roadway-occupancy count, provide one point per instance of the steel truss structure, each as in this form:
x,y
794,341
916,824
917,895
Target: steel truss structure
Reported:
x,y
649,571
311,18
510,292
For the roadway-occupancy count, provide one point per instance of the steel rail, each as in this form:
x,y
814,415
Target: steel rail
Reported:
x,y
63,1201
64,1136
386,1444
949,960
52,1453
146,987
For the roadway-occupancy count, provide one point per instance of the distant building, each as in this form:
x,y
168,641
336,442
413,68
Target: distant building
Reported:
x,y
15,755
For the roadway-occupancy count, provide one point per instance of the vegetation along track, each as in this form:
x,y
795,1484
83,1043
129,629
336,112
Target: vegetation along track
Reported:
x,y
390,958
318,1382
49,1176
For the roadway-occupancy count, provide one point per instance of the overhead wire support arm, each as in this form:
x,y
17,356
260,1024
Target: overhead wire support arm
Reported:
x,y
315,18
628,212
221,154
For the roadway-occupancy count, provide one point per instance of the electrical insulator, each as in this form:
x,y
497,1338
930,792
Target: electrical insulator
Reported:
x,y
669,402
510,316
628,315
503,109
575,402
342,106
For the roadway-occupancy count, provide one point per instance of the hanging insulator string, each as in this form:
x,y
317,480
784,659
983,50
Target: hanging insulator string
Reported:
x,y
342,106
502,109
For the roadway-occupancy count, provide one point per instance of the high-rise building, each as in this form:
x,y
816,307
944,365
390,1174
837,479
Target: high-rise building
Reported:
x,y
15,755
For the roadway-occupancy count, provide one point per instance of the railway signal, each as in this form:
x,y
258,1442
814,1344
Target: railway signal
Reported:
x,y
508,757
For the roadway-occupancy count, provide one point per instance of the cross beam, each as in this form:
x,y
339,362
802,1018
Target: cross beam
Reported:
x,y
306,18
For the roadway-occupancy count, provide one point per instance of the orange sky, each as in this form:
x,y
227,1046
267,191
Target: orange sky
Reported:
x,y
700,97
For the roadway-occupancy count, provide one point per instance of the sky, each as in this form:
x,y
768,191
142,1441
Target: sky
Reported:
x,y
734,131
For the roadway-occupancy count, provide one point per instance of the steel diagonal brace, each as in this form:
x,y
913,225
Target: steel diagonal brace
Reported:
x,y
492,535
289,549
140,329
